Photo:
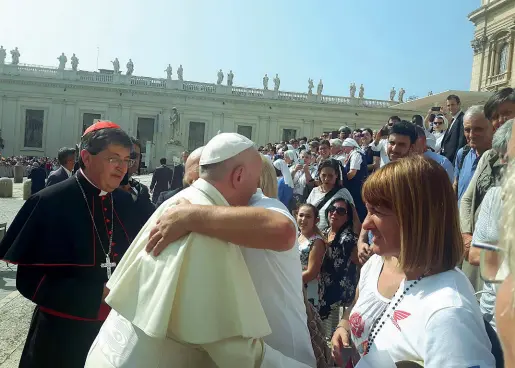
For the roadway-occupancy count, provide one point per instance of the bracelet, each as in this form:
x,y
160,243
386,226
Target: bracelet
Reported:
x,y
337,327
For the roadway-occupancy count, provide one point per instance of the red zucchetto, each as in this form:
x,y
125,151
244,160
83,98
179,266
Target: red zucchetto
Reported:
x,y
102,124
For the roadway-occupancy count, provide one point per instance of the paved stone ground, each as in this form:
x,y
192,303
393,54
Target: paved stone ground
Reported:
x,y
15,310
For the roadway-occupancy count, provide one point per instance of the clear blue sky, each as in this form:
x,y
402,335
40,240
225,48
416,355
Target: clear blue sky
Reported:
x,y
414,44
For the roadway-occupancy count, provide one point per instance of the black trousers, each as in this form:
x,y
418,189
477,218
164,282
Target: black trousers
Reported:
x,y
57,342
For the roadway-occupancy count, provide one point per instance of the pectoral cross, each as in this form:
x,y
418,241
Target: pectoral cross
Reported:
x,y
108,265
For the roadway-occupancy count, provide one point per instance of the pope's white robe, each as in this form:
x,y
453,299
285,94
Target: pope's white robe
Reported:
x,y
192,306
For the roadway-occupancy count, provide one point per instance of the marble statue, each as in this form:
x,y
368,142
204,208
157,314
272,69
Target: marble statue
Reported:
x,y
230,78
75,63
15,56
130,67
179,73
320,88
401,95
175,121
265,82
220,77
169,71
116,66
392,94
353,90
361,91
430,93
277,82
310,86
62,61
3,53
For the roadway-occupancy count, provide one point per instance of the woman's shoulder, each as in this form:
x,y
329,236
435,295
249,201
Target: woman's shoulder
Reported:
x,y
449,289
374,263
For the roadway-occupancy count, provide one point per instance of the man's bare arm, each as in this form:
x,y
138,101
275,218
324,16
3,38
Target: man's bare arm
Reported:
x,y
250,227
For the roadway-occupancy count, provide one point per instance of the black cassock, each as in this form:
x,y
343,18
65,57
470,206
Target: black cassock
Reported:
x,y
54,243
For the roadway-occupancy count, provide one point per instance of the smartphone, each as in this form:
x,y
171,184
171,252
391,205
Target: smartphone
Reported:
x,y
301,162
346,355
436,108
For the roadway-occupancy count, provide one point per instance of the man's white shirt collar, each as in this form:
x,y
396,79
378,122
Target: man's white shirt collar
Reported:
x,y
69,172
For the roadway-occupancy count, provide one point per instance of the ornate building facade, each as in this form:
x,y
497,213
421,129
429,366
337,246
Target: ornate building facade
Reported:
x,y
493,45
43,109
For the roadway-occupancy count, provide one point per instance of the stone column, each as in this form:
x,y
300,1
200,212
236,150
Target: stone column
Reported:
x,y
6,188
19,170
27,191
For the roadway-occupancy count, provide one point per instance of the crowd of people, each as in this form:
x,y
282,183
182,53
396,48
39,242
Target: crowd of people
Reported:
x,y
381,248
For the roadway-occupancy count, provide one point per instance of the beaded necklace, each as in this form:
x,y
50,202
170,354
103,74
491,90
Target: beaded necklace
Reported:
x,y
373,332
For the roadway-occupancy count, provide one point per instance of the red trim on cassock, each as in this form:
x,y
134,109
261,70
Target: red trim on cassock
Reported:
x,y
103,312
65,264
40,282
123,227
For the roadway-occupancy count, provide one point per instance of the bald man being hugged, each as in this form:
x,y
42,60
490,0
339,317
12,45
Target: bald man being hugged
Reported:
x,y
195,304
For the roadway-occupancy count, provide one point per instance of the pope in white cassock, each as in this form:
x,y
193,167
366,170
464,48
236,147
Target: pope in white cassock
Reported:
x,y
194,305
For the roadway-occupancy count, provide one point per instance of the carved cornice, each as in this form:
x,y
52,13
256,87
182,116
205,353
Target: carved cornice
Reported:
x,y
478,44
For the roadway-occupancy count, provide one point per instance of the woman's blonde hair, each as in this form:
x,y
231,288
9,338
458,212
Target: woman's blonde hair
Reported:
x,y
419,192
268,178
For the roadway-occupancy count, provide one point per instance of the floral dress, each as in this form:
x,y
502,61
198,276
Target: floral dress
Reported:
x,y
338,275
312,286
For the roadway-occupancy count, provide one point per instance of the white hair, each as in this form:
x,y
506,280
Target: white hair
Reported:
x,y
501,138
335,142
474,111
507,239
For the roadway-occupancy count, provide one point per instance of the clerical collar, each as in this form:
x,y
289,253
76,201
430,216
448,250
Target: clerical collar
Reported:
x,y
102,193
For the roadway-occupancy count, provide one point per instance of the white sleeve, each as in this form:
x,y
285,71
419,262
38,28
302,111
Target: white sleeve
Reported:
x,y
487,225
345,194
355,161
377,147
310,197
456,338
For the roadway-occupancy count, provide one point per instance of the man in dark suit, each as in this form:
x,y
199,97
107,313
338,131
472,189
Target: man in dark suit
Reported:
x,y
161,180
454,137
66,158
38,175
191,174
139,192
178,172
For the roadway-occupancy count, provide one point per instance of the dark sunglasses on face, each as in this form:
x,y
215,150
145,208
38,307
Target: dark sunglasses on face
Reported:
x,y
437,122
339,210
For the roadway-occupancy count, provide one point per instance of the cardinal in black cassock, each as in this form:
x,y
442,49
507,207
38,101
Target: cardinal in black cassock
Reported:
x,y
66,241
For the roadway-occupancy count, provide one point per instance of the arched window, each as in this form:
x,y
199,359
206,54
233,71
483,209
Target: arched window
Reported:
x,y
503,58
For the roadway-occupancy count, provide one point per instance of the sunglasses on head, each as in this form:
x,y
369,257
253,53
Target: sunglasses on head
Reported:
x,y
339,210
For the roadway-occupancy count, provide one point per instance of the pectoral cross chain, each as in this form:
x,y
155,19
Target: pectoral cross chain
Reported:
x,y
108,265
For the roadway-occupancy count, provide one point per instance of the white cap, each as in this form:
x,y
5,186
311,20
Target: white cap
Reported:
x,y
224,146
349,142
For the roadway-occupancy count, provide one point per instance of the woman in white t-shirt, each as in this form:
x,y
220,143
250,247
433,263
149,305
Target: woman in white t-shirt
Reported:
x,y
411,300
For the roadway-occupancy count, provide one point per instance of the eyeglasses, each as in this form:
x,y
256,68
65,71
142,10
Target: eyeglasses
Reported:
x,y
115,161
493,264
339,210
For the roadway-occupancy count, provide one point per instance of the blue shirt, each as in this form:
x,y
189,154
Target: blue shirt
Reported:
x,y
467,170
285,192
443,161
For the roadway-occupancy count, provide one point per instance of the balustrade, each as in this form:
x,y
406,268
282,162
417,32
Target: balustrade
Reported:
x,y
189,86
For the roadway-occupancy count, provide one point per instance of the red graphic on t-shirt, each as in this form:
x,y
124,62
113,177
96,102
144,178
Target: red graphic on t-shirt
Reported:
x,y
357,325
399,315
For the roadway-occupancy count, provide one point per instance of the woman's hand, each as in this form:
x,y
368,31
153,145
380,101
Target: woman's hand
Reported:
x,y
340,340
